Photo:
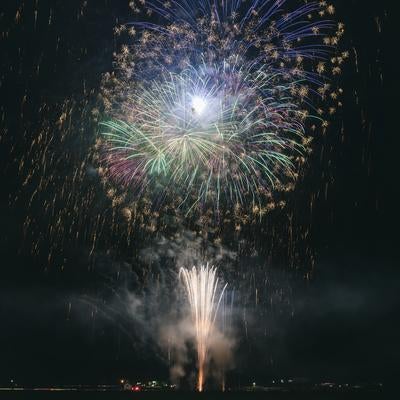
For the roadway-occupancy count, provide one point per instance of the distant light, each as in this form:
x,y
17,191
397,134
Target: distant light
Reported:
x,y
136,388
198,105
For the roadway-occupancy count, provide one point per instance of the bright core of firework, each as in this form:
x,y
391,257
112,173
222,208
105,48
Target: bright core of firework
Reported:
x,y
204,295
198,105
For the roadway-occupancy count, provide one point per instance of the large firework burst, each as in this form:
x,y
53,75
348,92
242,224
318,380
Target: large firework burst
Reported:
x,y
215,103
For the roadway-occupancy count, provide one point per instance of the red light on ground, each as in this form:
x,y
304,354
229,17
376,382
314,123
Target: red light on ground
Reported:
x,y
136,388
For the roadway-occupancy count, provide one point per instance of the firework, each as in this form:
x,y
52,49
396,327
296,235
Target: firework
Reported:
x,y
204,295
211,137
213,108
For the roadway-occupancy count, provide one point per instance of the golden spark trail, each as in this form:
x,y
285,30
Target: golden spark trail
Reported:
x,y
204,295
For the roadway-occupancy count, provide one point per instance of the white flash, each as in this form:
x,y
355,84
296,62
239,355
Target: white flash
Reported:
x,y
198,105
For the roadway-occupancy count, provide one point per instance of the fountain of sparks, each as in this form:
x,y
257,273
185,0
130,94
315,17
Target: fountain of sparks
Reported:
x,y
204,294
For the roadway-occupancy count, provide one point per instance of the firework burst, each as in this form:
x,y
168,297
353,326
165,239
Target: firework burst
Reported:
x,y
215,108
211,137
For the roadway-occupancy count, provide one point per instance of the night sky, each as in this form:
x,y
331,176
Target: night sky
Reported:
x,y
335,317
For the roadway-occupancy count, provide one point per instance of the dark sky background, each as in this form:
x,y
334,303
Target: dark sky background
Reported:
x,y
343,323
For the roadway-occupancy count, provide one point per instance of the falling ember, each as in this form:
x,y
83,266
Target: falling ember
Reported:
x,y
204,295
